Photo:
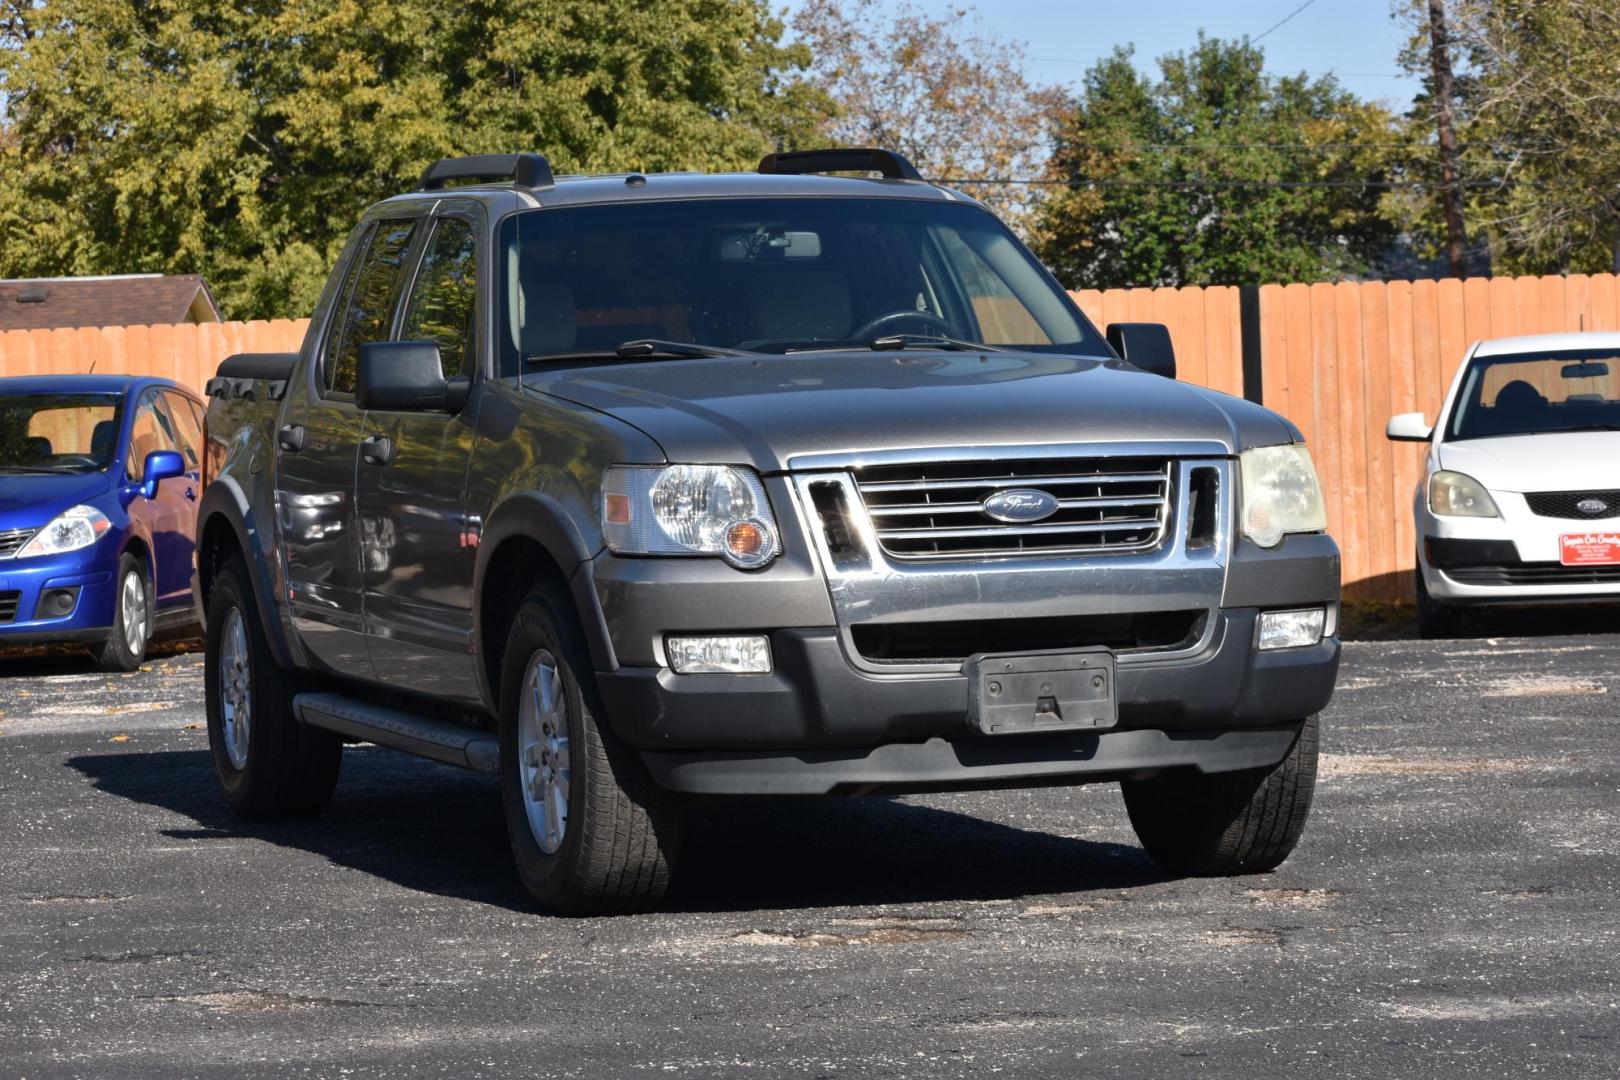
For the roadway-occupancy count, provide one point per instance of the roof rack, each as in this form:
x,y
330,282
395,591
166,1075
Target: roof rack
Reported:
x,y
851,159
523,170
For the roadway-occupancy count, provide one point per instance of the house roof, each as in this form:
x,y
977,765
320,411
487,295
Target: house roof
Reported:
x,y
115,300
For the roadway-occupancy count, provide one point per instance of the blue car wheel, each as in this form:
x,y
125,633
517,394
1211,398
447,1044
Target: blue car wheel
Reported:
x,y
125,646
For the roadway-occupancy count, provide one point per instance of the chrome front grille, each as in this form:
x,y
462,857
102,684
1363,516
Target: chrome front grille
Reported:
x,y
937,509
12,540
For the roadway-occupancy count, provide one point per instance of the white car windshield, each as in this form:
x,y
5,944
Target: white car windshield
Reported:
x,y
1527,394
765,275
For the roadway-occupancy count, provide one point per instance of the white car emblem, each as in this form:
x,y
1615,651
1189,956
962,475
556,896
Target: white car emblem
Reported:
x,y
1593,507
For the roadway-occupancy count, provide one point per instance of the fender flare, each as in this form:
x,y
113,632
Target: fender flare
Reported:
x,y
224,498
546,521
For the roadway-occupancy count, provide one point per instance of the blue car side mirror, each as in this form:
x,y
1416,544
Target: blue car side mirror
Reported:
x,y
160,466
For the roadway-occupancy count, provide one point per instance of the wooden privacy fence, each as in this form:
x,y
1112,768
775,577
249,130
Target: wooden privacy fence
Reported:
x,y
1338,360
188,353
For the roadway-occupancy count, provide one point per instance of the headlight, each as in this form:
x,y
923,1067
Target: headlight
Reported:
x,y
688,510
1280,493
72,529
1455,494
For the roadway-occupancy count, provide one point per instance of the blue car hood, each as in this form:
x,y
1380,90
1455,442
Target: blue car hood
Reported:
x,y
29,500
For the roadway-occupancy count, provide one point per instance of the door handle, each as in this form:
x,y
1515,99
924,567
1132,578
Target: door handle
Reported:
x,y
377,450
292,438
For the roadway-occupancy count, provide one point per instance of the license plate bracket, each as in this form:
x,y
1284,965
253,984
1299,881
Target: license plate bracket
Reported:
x,y
1024,692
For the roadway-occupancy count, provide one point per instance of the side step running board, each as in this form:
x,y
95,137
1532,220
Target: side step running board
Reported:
x,y
453,744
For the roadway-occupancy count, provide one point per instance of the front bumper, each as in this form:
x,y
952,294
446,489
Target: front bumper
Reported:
x,y
22,581
816,724
1509,559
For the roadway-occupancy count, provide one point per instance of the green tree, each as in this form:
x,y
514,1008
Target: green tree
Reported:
x,y
240,141
1540,110
1214,173
941,90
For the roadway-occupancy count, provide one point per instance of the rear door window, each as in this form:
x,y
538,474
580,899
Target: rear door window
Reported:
x,y
368,306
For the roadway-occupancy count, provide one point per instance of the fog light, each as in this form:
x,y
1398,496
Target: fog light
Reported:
x,y
56,603
1291,629
742,654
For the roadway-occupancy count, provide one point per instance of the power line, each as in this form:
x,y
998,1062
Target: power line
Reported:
x,y
1382,185
1279,22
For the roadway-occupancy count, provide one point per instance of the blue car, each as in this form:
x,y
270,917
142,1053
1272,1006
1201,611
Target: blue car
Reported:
x,y
99,479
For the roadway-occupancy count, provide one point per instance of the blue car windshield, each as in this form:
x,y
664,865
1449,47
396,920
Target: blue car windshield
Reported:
x,y
766,275
1536,393
58,432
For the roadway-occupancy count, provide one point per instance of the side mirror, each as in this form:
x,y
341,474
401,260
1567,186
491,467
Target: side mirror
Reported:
x,y
160,465
1408,427
1144,345
407,376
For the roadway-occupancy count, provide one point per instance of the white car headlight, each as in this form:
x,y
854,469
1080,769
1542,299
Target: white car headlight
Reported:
x,y
74,528
1280,493
1455,494
689,510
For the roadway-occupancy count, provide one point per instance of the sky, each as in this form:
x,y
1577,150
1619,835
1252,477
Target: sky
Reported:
x,y
1355,39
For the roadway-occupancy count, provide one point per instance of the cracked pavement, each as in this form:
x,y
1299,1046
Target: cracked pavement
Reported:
x,y
1454,910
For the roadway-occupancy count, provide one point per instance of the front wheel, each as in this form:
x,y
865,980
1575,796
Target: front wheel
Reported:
x,y
1221,824
125,646
1436,619
590,832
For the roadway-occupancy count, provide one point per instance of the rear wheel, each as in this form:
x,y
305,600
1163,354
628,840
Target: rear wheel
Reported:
x,y
590,831
1435,618
1220,824
125,646
268,764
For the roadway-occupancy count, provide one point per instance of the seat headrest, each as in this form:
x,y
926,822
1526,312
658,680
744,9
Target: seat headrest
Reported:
x,y
801,305
102,437
548,318
1519,396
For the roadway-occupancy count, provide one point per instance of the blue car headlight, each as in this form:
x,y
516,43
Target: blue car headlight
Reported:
x,y
74,528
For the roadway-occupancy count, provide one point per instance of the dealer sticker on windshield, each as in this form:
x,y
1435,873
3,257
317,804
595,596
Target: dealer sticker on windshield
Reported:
x,y
1589,549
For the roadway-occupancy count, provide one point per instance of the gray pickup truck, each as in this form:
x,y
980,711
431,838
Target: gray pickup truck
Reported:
x,y
640,489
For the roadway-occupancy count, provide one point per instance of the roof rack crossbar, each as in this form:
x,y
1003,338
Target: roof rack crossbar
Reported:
x,y
524,170
851,159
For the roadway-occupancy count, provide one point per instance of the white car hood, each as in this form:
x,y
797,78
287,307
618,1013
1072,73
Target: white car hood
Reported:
x,y
1571,461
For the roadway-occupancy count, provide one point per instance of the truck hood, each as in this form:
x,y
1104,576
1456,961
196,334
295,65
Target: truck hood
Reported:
x,y
1551,461
29,500
770,410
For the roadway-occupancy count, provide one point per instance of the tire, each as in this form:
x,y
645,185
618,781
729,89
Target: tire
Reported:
x,y
1223,824
269,765
611,837
125,646
1436,619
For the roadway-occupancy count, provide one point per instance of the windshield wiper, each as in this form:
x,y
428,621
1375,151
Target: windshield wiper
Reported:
x,y
631,350
33,469
639,349
931,341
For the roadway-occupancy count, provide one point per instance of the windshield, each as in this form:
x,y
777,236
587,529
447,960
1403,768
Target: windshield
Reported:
x,y
58,432
1528,393
773,275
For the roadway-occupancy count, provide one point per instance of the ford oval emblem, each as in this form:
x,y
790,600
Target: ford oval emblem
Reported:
x,y
1019,506
1593,507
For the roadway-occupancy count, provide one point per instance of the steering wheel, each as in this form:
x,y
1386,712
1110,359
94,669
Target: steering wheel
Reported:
x,y
869,330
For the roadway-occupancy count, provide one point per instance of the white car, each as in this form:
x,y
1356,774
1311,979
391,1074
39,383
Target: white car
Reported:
x,y
1520,500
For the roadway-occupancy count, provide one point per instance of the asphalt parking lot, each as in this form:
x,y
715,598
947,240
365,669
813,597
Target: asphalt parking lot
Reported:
x,y
1454,910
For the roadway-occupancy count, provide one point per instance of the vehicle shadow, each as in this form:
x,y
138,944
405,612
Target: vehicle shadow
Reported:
x,y
30,661
435,829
